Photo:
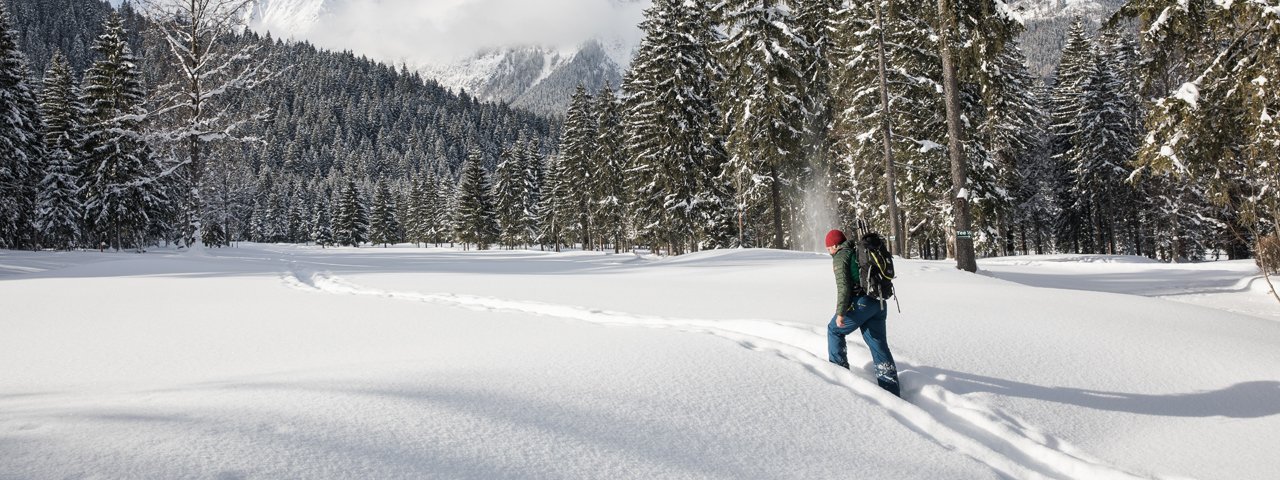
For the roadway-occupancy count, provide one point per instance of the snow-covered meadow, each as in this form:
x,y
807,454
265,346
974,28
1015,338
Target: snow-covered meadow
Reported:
x,y
274,361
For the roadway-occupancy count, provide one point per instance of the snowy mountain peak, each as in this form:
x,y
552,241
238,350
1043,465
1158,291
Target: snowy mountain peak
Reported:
x,y
286,18
512,51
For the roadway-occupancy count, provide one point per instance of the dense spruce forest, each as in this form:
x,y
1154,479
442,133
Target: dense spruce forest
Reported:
x,y
317,122
740,123
761,123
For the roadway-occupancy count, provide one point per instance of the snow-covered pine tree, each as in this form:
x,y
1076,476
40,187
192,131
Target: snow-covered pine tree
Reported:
x,y
322,225
383,227
1072,74
125,196
270,222
971,35
415,221
296,218
509,196
276,222
1213,69
1102,146
1035,193
674,132
209,72
475,219
1011,130
21,169
814,20
400,198
702,74
577,148
609,162
645,131
259,222
1120,44
764,108
433,209
351,223
533,169
229,205
550,203
915,122
59,212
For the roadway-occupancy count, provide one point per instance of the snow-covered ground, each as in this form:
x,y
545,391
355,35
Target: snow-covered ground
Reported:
x,y
271,361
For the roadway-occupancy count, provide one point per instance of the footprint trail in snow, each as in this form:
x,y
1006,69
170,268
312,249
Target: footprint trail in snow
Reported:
x,y
980,431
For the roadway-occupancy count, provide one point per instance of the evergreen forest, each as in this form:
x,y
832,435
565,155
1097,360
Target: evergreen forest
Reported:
x,y
740,123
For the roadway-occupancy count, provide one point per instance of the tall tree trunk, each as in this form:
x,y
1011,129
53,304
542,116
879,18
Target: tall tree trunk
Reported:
x,y
965,258
897,238
193,140
741,241
776,197
1023,233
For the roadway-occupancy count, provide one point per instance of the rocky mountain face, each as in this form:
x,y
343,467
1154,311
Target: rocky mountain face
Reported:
x,y
536,77
1047,22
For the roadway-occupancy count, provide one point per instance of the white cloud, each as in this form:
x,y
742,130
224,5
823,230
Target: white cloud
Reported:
x,y
443,31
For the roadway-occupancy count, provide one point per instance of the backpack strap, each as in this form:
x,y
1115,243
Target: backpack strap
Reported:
x,y
878,260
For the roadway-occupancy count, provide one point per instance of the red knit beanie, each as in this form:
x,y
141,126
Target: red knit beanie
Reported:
x,y
835,237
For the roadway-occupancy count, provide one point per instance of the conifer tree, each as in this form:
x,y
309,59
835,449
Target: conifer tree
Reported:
x,y
351,223
764,108
1035,191
609,164
21,169
124,194
509,196
577,147
1212,67
449,200
416,222
814,20
1072,73
231,204
551,205
475,218
321,226
646,134
534,171
674,132
59,211
971,35
1011,129
434,209
1102,146
909,112
384,228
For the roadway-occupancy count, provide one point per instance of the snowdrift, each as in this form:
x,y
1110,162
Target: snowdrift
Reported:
x,y
271,361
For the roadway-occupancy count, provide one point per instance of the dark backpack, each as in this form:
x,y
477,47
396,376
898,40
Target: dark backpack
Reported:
x,y
875,264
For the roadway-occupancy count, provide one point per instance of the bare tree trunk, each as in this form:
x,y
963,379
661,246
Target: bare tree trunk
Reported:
x,y
898,238
776,197
965,257
193,140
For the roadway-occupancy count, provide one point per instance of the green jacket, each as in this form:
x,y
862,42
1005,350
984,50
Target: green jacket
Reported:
x,y
845,264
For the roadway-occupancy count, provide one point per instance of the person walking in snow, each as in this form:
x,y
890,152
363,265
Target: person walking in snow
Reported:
x,y
856,311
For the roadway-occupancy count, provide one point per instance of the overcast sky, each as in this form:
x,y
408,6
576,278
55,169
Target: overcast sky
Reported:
x,y
440,31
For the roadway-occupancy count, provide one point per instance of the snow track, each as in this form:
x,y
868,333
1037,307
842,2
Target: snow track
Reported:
x,y
979,431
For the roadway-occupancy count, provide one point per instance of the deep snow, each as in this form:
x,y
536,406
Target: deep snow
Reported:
x,y
272,361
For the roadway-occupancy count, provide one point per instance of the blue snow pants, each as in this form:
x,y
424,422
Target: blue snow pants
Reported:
x,y
868,315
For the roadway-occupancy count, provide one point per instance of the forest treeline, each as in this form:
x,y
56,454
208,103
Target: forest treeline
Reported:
x,y
739,123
